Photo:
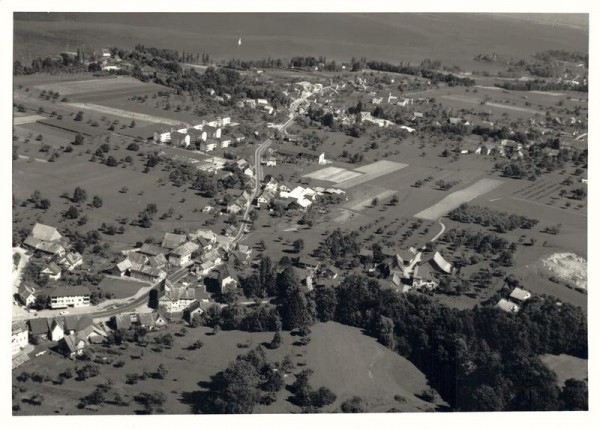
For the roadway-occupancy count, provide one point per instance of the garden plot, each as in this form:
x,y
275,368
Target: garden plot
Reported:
x,y
27,119
455,199
332,174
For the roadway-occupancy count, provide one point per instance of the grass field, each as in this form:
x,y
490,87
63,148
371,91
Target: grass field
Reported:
x,y
78,87
120,288
566,367
364,371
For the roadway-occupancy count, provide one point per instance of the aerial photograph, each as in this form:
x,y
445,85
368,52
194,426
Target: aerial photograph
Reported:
x,y
288,213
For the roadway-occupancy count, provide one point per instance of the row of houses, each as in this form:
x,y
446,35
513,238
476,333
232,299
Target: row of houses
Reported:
x,y
208,135
512,304
260,103
60,297
274,192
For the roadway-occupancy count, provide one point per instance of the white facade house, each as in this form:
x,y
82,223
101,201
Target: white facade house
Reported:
x,y
71,296
182,254
20,337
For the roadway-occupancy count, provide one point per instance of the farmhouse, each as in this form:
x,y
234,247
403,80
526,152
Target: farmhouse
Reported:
x,y
151,250
182,254
45,232
519,294
509,307
162,135
179,138
307,154
176,298
121,268
71,296
51,271
171,241
146,273
72,345
71,261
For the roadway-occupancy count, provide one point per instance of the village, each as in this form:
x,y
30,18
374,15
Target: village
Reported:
x,y
169,205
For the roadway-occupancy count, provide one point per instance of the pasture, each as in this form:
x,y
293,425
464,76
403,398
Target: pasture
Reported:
x,y
120,287
96,85
365,372
566,366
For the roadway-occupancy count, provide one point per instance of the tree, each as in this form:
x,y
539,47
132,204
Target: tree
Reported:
x,y
71,213
298,245
574,395
79,139
276,341
161,372
325,303
133,147
97,201
112,161
132,125
386,332
353,405
79,195
153,402
79,116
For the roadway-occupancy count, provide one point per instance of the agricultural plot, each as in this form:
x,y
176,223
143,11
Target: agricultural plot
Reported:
x,y
124,113
120,288
333,174
92,85
566,366
455,199
371,172
20,120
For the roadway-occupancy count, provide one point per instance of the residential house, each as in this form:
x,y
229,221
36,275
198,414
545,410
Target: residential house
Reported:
x,y
209,145
179,138
455,121
19,337
158,261
176,298
150,250
51,249
520,295
72,345
121,268
55,329
171,241
182,254
212,132
77,323
39,328
234,208
162,135
69,296
207,235
194,310
26,295
238,137
508,306
224,142
71,260
51,271
147,273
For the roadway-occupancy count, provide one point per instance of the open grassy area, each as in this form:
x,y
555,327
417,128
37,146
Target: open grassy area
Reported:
x,y
367,370
120,288
566,367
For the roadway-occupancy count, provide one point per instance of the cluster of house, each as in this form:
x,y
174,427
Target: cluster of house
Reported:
x,y
46,241
513,303
150,262
273,192
71,333
259,103
393,100
306,88
408,269
207,135
302,153
59,297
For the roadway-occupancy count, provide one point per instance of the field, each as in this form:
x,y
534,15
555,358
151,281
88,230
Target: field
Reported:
x,y
566,367
105,85
368,370
120,288
457,198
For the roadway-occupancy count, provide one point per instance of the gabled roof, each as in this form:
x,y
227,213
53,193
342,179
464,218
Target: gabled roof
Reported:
x,y
171,241
73,257
25,291
179,293
52,268
124,265
145,269
520,294
39,326
52,248
507,306
157,261
122,321
150,249
70,342
31,241
45,232
137,258
19,326
185,249
78,323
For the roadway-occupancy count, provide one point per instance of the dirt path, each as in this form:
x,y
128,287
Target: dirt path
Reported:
x,y
19,270
438,235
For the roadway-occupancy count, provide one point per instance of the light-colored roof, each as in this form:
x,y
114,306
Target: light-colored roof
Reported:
x,y
442,263
171,241
520,294
124,265
507,306
45,232
185,249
